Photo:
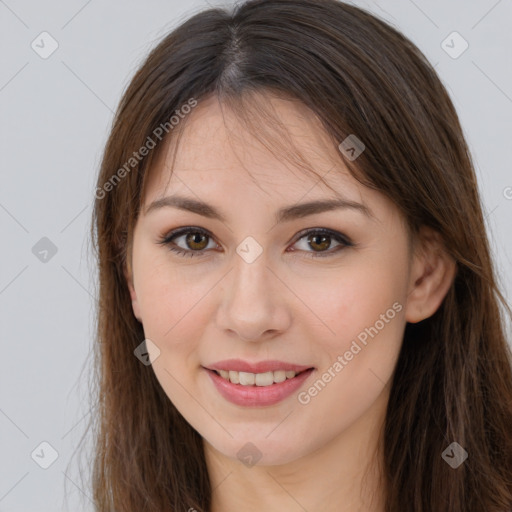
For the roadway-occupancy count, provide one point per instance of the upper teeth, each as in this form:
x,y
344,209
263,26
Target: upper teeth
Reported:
x,y
258,379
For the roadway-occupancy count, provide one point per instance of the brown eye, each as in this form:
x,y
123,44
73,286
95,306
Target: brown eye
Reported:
x,y
188,242
196,241
319,241
315,242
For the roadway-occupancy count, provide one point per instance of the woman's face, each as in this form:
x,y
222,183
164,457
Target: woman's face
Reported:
x,y
315,289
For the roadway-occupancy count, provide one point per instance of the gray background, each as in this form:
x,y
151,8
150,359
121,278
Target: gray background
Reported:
x,y
55,116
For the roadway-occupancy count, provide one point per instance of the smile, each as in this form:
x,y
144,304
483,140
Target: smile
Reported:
x,y
257,384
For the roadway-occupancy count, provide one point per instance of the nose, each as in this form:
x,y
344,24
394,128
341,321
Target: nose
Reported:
x,y
252,302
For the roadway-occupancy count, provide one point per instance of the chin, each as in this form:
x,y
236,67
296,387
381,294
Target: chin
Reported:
x,y
260,451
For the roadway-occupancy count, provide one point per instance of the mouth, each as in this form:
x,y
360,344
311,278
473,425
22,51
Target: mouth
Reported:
x,y
263,388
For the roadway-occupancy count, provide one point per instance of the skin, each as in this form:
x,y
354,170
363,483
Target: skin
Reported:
x,y
285,305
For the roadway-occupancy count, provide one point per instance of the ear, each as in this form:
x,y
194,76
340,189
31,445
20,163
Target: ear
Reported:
x,y
128,274
432,274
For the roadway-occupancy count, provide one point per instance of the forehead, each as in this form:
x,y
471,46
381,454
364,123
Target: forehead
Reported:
x,y
284,153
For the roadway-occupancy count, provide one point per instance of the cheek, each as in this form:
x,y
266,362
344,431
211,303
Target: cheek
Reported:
x,y
351,302
366,312
167,294
174,316
172,313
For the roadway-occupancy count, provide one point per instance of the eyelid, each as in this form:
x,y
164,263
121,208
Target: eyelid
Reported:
x,y
330,232
174,233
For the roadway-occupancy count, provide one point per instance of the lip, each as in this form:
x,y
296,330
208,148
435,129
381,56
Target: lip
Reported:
x,y
238,365
258,396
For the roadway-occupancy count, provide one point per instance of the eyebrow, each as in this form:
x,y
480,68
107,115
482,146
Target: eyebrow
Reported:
x,y
285,214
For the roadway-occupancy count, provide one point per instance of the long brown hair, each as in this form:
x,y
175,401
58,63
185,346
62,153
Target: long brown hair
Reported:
x,y
358,75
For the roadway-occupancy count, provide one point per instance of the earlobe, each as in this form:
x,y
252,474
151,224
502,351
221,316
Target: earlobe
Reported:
x,y
432,274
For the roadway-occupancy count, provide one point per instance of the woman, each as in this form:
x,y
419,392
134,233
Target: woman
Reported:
x,y
298,308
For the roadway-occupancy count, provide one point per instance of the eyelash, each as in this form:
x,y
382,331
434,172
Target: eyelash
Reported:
x,y
338,237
